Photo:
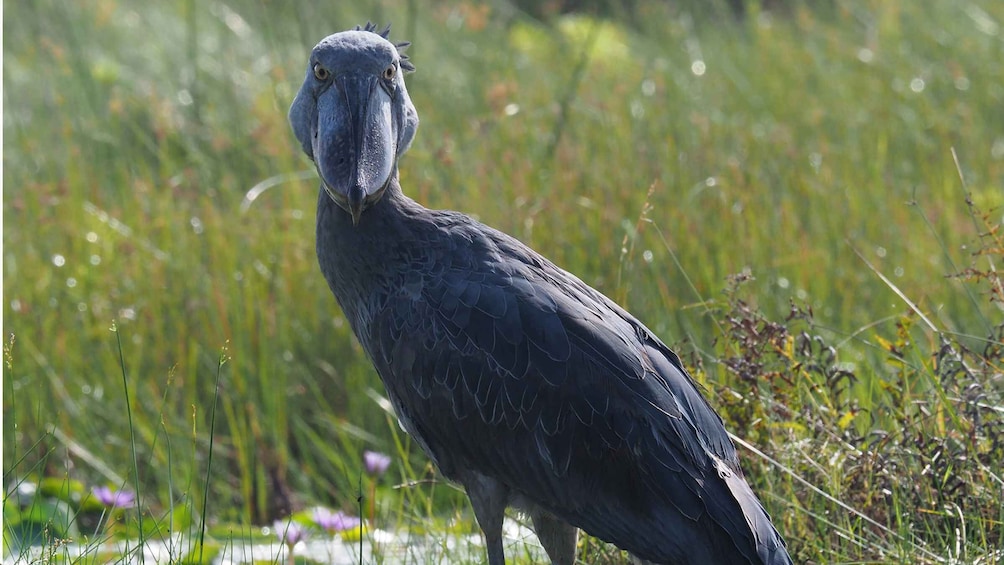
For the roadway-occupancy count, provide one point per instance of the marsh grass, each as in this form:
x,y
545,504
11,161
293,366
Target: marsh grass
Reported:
x,y
849,158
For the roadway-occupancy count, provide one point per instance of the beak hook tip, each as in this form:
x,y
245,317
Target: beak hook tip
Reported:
x,y
356,200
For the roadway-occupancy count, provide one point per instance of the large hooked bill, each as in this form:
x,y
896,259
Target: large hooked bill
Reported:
x,y
353,146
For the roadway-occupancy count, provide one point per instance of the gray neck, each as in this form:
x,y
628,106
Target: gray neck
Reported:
x,y
362,262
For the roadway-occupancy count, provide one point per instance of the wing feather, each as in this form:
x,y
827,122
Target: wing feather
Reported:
x,y
507,365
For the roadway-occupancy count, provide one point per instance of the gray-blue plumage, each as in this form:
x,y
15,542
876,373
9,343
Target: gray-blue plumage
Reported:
x,y
521,382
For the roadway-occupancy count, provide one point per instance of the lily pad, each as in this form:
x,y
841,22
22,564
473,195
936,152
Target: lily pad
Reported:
x,y
44,521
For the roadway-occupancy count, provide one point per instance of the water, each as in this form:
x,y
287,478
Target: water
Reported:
x,y
379,546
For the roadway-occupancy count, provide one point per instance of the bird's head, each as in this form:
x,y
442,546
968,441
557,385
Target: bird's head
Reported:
x,y
353,115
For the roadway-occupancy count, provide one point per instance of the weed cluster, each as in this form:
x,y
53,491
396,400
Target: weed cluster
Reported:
x,y
910,447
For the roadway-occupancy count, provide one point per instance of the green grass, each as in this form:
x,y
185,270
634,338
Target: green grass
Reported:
x,y
654,160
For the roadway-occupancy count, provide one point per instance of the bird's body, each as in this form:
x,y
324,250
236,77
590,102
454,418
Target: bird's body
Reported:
x,y
520,381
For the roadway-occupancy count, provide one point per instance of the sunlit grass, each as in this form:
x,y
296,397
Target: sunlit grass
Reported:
x,y
654,161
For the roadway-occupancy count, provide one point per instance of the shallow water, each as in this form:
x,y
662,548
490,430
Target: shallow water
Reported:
x,y
379,546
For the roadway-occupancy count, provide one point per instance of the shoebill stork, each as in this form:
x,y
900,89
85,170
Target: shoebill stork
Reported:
x,y
522,383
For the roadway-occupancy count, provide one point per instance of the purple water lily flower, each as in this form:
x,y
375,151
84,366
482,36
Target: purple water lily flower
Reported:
x,y
376,463
289,532
334,522
115,498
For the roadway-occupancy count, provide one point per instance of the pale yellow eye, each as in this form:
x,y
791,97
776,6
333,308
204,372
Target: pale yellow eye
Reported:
x,y
389,72
320,73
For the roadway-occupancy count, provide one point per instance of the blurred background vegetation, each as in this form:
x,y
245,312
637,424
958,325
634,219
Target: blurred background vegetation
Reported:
x,y
768,185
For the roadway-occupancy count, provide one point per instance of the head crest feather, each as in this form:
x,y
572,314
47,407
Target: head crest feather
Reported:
x,y
385,33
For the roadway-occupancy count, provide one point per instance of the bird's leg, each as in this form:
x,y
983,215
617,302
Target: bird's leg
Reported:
x,y
489,499
557,537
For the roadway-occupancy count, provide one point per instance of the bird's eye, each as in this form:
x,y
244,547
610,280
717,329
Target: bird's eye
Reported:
x,y
320,73
389,72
